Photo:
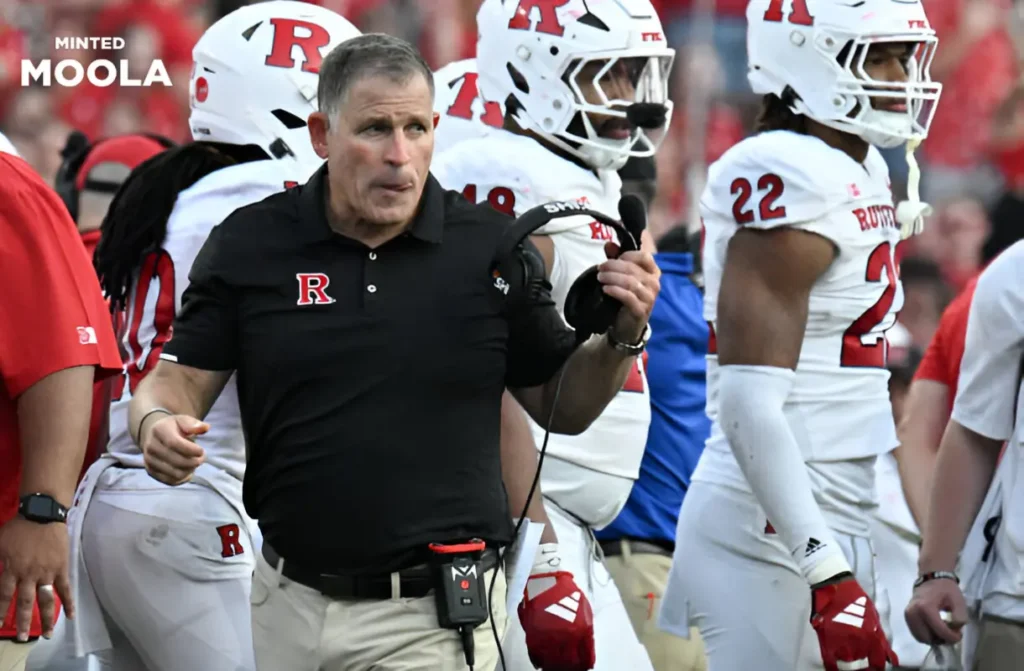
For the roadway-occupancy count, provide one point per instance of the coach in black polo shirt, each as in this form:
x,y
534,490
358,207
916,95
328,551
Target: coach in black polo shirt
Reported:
x,y
372,348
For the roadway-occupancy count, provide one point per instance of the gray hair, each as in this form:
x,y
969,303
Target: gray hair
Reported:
x,y
370,55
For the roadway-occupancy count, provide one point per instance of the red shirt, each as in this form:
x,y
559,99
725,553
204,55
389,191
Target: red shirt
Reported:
x,y
51,307
941,361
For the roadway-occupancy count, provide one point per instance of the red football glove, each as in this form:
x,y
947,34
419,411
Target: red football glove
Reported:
x,y
558,622
849,630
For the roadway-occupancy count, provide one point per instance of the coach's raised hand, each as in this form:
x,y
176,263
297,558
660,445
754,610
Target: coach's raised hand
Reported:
x,y
168,447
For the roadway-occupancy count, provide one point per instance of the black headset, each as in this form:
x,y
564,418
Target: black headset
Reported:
x,y
76,150
519,271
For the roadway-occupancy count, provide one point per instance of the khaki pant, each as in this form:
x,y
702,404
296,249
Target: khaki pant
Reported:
x,y
641,580
13,655
296,628
1000,645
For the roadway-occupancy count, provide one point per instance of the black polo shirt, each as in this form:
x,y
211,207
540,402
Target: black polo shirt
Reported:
x,y
369,381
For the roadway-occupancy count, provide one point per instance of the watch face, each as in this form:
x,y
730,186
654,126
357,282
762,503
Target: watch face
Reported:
x,y
37,508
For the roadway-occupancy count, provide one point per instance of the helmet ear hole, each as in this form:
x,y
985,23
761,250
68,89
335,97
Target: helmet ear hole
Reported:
x,y
517,78
290,121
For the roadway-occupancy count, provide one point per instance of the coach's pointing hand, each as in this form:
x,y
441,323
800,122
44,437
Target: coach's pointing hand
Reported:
x,y
170,454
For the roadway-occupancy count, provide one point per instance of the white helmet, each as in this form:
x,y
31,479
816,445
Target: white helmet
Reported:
x,y
255,73
818,49
534,51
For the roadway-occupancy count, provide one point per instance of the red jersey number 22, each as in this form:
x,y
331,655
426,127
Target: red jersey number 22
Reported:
x,y
855,353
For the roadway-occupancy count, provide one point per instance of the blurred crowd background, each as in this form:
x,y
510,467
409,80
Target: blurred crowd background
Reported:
x,y
973,162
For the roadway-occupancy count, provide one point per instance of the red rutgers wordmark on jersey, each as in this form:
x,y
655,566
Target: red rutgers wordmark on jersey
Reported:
x,y
875,216
599,231
548,22
313,289
286,39
230,544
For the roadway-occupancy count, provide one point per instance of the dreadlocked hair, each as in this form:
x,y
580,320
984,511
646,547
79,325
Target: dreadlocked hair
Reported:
x,y
777,113
136,221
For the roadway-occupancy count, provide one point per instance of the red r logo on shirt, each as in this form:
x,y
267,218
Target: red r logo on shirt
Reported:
x,y
313,289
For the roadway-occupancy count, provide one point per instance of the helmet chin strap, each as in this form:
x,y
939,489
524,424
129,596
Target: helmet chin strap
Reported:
x,y
911,212
603,158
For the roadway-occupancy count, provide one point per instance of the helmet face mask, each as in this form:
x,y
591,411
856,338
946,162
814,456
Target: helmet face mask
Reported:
x,y
917,98
827,62
594,81
563,64
255,74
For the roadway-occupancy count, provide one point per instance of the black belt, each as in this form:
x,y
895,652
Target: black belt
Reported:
x,y
614,548
414,583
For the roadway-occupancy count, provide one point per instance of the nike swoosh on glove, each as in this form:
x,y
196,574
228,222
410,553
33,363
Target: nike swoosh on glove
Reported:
x,y
557,619
849,629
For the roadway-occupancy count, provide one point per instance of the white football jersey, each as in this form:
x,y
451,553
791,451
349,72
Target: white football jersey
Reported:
x,y
155,299
515,173
990,402
463,113
839,407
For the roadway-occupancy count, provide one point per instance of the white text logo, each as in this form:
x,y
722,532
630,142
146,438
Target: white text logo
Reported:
x,y
100,72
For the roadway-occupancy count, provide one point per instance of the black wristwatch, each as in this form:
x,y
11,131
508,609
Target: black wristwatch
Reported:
x,y
41,508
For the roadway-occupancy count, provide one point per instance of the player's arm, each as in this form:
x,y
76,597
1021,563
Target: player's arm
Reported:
x,y
519,466
926,409
181,390
762,315
983,413
168,406
925,414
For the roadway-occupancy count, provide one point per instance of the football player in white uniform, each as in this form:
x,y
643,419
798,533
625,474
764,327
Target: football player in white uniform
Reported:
x,y
462,113
774,562
162,574
567,74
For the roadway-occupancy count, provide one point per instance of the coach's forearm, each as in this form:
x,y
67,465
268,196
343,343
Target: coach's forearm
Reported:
x,y
53,425
594,374
963,474
519,466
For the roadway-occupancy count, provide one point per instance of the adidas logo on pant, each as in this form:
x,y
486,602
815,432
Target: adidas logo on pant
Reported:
x,y
567,608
